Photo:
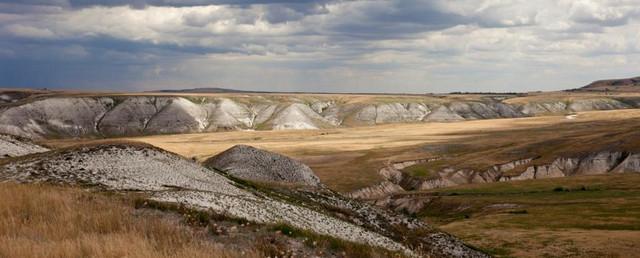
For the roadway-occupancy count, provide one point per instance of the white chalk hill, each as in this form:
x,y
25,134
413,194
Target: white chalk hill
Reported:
x,y
167,177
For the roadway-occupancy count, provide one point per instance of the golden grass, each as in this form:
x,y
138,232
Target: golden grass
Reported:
x,y
45,221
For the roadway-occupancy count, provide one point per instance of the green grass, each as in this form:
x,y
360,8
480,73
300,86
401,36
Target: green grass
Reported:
x,y
348,249
603,202
422,170
599,204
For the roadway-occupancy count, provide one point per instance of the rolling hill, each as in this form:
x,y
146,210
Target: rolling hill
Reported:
x,y
616,85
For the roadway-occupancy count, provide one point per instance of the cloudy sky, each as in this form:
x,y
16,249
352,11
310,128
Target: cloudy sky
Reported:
x,y
318,45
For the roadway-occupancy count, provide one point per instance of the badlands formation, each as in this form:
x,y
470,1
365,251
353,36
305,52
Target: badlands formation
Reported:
x,y
398,181
82,115
11,146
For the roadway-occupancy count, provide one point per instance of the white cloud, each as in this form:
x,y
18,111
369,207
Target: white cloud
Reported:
x,y
26,31
442,45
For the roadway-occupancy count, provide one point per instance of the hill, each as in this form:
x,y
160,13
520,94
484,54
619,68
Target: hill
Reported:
x,y
133,114
168,180
205,90
622,85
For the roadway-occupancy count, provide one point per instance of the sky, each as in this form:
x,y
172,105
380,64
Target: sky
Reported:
x,y
412,46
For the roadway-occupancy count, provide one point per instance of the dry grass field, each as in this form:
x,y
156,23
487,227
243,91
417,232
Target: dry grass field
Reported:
x,y
45,221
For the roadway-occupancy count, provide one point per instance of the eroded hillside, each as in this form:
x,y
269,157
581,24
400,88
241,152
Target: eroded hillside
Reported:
x,y
60,116
167,178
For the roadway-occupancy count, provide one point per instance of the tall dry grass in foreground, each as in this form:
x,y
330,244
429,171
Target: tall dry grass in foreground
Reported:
x,y
46,221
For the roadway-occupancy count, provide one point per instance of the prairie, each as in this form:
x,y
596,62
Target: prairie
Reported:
x,y
47,221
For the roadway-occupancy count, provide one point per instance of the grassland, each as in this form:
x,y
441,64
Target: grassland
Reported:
x,y
56,221
589,216
45,221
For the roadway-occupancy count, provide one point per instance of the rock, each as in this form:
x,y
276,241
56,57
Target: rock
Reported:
x,y
367,115
263,112
229,114
11,146
596,104
443,114
599,163
249,163
380,190
321,106
398,113
506,111
131,116
55,117
539,108
178,116
297,116
631,164
466,111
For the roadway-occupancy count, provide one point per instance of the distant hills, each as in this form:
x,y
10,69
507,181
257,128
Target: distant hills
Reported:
x,y
615,85
206,90
625,85
224,90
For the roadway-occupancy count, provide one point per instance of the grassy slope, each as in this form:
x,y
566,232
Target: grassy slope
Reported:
x,y
50,221
41,221
590,216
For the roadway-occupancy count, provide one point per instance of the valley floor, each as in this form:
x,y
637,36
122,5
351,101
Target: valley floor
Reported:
x,y
587,216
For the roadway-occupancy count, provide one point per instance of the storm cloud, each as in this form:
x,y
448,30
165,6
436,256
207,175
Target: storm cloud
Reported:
x,y
342,46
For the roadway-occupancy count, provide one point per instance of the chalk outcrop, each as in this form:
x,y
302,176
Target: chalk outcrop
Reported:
x,y
11,146
254,164
110,116
597,163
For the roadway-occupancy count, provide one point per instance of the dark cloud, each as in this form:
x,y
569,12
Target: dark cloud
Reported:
x,y
144,3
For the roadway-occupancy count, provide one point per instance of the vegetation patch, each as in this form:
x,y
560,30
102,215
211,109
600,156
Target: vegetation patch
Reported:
x,y
338,246
602,209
